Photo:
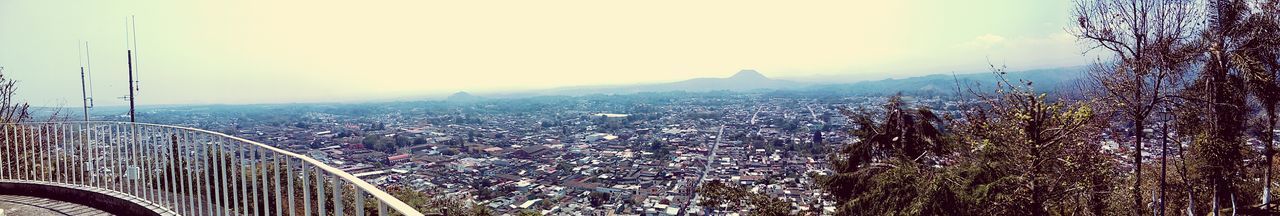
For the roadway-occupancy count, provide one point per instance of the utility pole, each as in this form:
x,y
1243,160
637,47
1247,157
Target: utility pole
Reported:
x,y
129,56
84,92
131,40
84,95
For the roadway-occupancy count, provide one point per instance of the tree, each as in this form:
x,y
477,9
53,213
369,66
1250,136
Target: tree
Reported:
x,y
1149,40
1030,154
817,137
1236,47
597,199
427,203
1257,57
659,149
717,195
893,167
11,111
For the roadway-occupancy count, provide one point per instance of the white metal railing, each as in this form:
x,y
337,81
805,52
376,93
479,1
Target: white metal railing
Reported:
x,y
184,170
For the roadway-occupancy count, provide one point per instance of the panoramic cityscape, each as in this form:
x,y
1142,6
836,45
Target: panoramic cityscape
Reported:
x,y
1002,107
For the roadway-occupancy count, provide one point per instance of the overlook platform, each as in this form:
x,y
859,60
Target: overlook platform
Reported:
x,y
58,198
121,168
12,205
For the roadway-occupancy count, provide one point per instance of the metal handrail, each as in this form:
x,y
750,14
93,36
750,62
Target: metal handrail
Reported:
x,y
183,170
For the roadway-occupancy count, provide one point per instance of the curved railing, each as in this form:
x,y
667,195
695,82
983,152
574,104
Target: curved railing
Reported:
x,y
185,171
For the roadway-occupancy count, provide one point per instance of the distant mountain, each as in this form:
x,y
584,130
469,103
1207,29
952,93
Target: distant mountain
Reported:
x,y
745,80
1042,79
463,96
750,80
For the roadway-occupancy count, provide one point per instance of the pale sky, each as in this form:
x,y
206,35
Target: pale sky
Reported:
x,y
263,51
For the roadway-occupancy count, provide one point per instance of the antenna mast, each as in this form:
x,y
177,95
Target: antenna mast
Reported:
x,y
86,100
129,57
133,22
131,97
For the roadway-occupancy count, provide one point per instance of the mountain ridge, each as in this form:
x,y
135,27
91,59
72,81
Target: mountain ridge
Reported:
x,y
749,80
743,80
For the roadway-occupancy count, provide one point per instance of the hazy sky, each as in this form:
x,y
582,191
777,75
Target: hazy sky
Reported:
x,y
262,51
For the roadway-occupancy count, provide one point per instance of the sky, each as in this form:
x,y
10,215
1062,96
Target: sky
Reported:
x,y
267,51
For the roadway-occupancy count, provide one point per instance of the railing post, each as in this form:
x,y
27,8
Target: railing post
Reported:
x,y
359,202
60,154
293,207
26,162
30,155
86,177
262,166
382,208
109,179
11,146
206,165
139,183
4,152
59,157
306,191
244,189
337,196
253,180
126,159
117,170
19,159
157,166
175,181
320,192
79,157
184,150
193,182
222,173
8,154
122,155
66,153
38,154
50,164
41,142
99,179
41,151
275,159
152,179
51,167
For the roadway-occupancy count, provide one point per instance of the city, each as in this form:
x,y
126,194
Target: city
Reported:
x,y
644,154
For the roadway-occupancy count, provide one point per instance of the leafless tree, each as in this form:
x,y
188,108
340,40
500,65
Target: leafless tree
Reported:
x,y
10,110
1146,39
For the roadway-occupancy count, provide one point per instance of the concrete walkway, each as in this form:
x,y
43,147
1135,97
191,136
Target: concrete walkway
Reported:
x,y
11,205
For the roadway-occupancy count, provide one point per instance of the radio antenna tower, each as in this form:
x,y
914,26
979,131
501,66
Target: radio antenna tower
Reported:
x,y
85,90
131,39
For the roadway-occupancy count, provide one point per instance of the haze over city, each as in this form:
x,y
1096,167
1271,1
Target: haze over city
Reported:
x,y
237,52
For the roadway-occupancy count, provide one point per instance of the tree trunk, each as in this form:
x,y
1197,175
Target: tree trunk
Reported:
x,y
1137,165
1269,139
1164,163
1139,123
1215,199
1182,167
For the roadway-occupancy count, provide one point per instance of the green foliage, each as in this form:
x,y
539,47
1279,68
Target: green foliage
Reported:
x,y
717,195
898,150
426,203
1018,153
1030,155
